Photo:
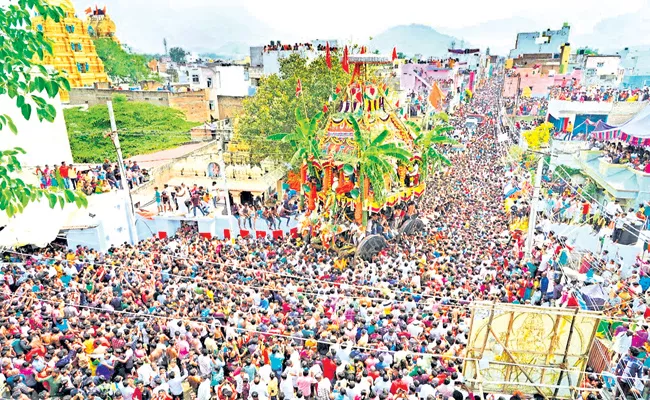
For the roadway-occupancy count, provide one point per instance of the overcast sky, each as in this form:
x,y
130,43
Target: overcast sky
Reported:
x,y
208,24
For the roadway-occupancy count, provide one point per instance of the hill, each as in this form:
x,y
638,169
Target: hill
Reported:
x,y
413,39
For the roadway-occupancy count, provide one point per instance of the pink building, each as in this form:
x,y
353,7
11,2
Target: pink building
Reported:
x,y
538,83
413,75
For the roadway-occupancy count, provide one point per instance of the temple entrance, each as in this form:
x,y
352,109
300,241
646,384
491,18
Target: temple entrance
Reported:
x,y
246,198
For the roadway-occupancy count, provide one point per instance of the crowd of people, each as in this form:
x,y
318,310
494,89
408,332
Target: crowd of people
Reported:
x,y
636,157
526,106
580,93
93,179
269,319
275,46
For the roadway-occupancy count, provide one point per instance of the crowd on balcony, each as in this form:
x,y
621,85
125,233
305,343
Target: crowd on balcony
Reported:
x,y
90,179
620,153
277,46
598,94
526,106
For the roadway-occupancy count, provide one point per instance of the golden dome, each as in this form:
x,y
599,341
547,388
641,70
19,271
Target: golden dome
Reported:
x,y
105,27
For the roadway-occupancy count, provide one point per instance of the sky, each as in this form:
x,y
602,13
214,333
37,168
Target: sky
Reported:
x,y
207,25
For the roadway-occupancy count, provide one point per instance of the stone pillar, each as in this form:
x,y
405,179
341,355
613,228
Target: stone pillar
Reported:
x,y
236,196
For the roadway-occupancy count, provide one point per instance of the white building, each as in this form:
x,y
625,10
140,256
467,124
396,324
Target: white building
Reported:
x,y
44,142
219,79
636,63
602,71
269,60
546,42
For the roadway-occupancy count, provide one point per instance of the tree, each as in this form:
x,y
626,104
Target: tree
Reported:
x,y
144,128
426,143
121,65
177,54
272,108
303,138
538,136
372,161
23,79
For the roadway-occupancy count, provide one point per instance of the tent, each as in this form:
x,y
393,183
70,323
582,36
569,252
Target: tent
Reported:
x,y
635,131
594,296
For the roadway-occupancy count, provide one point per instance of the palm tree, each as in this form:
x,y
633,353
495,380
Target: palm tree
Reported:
x,y
303,139
305,143
426,141
372,163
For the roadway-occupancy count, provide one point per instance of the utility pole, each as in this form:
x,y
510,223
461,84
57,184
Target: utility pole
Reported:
x,y
165,44
532,219
227,196
125,185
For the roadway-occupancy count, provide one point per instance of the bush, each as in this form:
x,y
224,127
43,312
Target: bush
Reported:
x,y
143,128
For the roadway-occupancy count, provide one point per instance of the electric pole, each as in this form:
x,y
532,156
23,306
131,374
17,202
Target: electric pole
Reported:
x,y
165,44
532,219
125,185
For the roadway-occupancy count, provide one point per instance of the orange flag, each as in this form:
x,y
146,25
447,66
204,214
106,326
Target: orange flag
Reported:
x,y
435,97
89,10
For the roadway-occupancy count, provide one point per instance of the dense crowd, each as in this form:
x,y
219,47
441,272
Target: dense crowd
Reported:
x,y
525,106
636,157
578,93
257,319
90,179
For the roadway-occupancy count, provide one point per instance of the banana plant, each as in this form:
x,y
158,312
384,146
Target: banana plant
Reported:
x,y
426,142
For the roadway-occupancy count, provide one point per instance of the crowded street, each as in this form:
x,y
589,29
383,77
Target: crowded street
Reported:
x,y
258,317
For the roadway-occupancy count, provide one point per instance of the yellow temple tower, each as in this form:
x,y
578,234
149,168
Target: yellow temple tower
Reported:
x,y
73,50
100,24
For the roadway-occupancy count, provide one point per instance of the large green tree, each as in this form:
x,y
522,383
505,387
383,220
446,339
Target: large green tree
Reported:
x,y
272,109
177,54
144,128
121,66
427,143
30,85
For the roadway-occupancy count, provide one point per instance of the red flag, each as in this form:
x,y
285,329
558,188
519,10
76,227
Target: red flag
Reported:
x,y
328,56
89,10
394,53
397,104
359,96
363,49
298,88
325,109
338,89
344,62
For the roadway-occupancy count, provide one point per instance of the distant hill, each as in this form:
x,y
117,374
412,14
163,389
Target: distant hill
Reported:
x,y
413,39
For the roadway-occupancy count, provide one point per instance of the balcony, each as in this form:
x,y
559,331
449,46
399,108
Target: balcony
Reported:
x,y
620,181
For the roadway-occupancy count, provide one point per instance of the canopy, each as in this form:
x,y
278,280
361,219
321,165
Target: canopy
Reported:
x,y
635,131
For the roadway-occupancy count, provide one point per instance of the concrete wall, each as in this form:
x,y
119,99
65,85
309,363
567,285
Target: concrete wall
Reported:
x,y
193,104
624,111
535,42
45,142
229,106
233,80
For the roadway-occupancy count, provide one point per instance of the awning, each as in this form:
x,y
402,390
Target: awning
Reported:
x,y
636,131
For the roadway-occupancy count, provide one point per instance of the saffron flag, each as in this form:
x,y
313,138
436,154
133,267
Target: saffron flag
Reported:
x,y
344,62
104,10
298,88
328,56
89,10
435,98
394,54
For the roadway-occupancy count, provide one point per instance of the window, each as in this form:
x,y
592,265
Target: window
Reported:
x,y
600,64
246,75
69,28
39,27
209,82
75,46
195,79
211,103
